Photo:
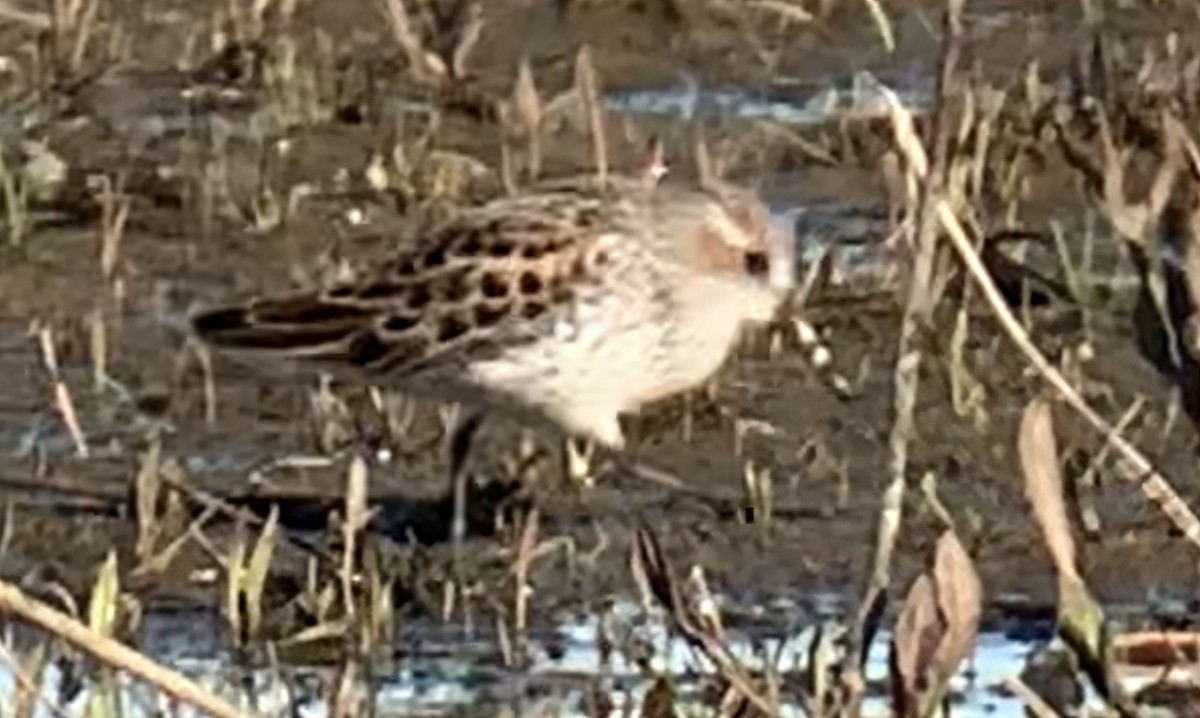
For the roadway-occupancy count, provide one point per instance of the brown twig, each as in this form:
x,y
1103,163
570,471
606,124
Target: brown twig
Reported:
x,y
906,377
657,580
1038,707
113,653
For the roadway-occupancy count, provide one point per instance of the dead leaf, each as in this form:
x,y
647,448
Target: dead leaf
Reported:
x,y
960,599
919,631
1038,451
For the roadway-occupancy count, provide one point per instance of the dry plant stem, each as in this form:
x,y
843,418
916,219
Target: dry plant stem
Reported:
x,y
26,682
534,149
1136,467
1085,485
426,65
585,81
84,28
1037,707
882,24
525,555
62,395
159,562
36,20
507,176
657,581
467,40
114,208
114,653
229,511
354,521
906,377
210,385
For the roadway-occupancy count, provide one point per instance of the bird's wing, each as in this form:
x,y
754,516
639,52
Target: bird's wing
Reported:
x,y
494,277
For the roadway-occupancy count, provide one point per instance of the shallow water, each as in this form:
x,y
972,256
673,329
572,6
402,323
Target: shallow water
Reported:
x,y
858,97
446,671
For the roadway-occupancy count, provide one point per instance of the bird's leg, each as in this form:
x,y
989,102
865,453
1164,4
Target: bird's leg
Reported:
x,y
610,436
626,464
576,463
464,427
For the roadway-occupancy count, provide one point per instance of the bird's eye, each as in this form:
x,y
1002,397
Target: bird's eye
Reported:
x,y
757,264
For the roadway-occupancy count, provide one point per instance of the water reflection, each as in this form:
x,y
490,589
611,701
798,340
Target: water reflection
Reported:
x,y
441,670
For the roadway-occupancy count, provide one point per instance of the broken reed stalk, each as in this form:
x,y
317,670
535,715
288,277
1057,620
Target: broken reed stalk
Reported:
x,y
882,24
355,520
62,395
217,505
527,115
114,653
468,38
589,94
1037,707
1135,467
507,174
204,358
526,548
917,310
425,65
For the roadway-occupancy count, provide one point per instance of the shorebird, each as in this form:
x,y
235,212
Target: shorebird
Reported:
x,y
564,307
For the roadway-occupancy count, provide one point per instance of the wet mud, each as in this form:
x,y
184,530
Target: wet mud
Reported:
x,y
768,410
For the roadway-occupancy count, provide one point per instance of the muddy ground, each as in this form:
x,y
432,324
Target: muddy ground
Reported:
x,y
827,454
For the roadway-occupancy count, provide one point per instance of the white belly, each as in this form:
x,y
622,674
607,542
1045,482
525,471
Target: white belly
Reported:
x,y
613,357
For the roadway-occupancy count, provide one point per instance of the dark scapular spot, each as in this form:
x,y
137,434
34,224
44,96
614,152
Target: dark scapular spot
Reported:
x,y
419,296
533,310
401,322
534,251
489,315
501,248
493,286
405,266
530,284
452,327
435,257
470,245
578,267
